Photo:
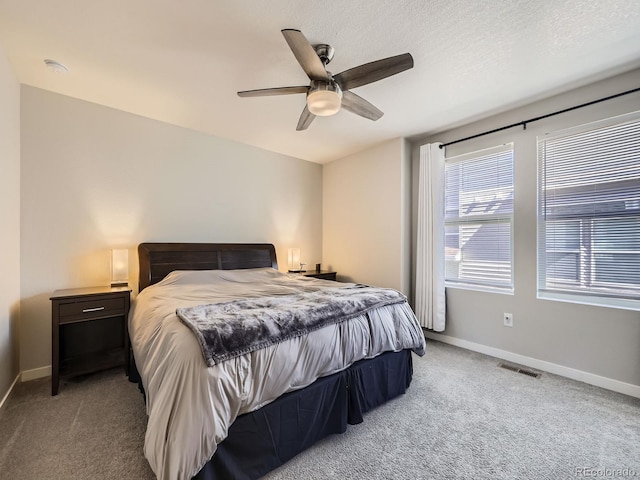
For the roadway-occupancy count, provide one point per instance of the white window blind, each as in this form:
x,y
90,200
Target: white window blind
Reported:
x,y
589,213
479,219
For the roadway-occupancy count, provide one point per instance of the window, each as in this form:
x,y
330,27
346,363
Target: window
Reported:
x,y
479,220
589,213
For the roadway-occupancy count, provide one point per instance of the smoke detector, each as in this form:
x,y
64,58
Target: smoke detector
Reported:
x,y
55,66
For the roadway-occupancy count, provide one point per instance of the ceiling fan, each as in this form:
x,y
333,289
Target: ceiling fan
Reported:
x,y
327,93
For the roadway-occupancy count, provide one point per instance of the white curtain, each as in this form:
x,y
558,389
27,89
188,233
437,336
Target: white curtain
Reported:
x,y
430,297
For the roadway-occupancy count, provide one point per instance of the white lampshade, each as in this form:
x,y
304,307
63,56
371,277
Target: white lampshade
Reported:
x,y
324,98
294,259
119,267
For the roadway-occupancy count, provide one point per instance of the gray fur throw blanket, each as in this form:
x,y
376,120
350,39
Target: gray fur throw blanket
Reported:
x,y
230,329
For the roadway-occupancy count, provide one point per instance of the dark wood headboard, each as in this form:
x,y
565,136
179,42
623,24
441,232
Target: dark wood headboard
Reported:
x,y
157,260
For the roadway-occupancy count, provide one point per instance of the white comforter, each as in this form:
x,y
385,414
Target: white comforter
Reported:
x,y
191,406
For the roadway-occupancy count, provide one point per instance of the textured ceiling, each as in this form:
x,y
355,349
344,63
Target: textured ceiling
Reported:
x,y
182,62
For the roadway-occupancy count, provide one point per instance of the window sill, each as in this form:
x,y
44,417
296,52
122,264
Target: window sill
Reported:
x,y
608,302
480,288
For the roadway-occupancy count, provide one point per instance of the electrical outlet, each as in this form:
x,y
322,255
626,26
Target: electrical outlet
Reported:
x,y
508,319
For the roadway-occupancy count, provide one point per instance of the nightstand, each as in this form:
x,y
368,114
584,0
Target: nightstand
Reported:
x,y
88,331
323,274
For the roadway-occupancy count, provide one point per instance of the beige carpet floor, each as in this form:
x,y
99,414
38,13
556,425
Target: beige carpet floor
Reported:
x,y
462,418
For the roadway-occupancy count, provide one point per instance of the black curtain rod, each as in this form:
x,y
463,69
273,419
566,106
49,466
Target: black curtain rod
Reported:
x,y
535,119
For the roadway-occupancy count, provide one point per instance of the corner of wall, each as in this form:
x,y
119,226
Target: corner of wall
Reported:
x,y
10,220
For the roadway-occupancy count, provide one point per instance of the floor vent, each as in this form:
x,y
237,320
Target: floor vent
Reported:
x,y
523,371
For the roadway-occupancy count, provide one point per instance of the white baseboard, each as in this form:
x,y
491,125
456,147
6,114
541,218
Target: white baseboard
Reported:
x,y
25,377
581,376
4,399
35,373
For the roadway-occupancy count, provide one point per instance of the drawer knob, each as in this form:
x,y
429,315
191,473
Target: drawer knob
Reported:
x,y
96,309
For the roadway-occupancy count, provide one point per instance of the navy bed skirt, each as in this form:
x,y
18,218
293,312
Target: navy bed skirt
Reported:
x,y
261,441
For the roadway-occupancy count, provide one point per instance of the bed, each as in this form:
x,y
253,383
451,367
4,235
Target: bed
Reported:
x,y
250,412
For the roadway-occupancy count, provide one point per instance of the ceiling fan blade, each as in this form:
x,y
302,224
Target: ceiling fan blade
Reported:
x,y
305,119
265,92
306,55
359,106
374,71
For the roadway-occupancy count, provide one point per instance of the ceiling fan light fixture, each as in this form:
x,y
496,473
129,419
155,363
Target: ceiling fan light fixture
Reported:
x,y
324,98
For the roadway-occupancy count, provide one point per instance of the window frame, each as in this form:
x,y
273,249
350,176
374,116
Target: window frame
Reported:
x,y
483,219
587,289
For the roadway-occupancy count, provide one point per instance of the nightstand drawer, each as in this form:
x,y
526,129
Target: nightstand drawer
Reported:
x,y
88,309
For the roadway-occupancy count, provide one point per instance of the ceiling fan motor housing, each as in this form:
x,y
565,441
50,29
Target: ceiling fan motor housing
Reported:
x,y
325,52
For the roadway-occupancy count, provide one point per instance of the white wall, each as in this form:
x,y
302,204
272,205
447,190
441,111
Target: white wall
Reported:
x,y
9,225
94,178
366,205
602,342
